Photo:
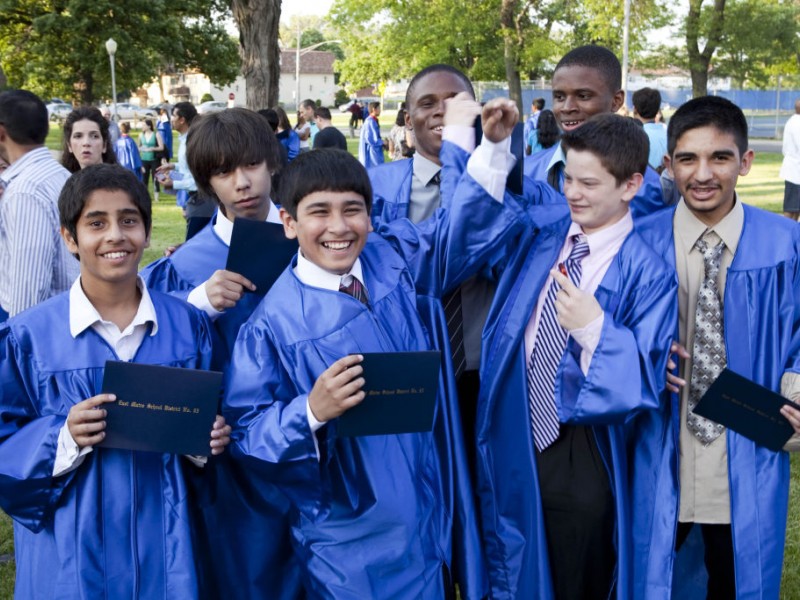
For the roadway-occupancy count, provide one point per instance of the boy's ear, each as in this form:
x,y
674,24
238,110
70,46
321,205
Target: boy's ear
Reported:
x,y
72,244
288,224
618,101
668,165
632,186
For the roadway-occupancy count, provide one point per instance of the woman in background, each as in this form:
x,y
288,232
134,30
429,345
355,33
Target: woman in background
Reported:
x,y
85,140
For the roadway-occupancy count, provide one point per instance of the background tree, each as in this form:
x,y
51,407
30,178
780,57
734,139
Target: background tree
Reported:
x,y
57,47
259,23
708,26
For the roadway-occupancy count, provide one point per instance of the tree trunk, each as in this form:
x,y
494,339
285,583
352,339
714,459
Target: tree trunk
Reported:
x,y
258,22
699,61
508,12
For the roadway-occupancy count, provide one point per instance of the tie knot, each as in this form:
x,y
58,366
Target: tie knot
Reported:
x,y
580,248
711,246
352,287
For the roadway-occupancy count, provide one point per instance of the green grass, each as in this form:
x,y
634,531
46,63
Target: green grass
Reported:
x,y
762,187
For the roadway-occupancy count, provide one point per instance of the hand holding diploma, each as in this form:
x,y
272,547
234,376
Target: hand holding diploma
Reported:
x,y
86,420
225,288
337,389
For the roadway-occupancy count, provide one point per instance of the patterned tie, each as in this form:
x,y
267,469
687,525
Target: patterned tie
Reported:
x,y
708,353
551,340
353,287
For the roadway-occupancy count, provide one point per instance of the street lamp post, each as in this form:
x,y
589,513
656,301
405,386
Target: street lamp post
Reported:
x,y
298,53
111,48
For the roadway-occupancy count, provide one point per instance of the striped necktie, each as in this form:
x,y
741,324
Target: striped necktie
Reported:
x,y
551,340
353,287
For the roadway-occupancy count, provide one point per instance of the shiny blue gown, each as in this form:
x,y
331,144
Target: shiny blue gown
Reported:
x,y
625,377
375,513
120,525
762,338
128,155
246,522
647,200
370,143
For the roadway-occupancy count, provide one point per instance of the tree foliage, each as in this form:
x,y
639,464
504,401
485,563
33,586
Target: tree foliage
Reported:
x,y
57,47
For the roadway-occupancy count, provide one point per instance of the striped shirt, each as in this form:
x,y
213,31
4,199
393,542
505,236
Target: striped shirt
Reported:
x,y
34,261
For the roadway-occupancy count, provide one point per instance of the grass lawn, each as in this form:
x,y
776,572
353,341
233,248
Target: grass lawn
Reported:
x,y
761,187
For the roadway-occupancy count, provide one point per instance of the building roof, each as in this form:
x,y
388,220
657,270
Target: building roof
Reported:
x,y
311,62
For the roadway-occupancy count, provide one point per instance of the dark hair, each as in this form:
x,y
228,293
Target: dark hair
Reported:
x,y
326,169
595,57
621,145
225,140
323,113
547,131
271,116
538,103
83,183
373,105
149,123
400,121
24,117
283,118
85,113
647,102
185,110
705,111
437,68
308,103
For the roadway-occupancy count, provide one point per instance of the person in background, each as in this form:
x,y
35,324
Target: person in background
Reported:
x,y
113,128
546,134
370,144
397,135
165,129
85,140
286,135
151,146
646,105
355,116
307,108
328,136
790,167
303,130
128,152
532,123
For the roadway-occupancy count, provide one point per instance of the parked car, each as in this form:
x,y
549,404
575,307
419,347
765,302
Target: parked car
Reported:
x,y
130,112
58,111
211,106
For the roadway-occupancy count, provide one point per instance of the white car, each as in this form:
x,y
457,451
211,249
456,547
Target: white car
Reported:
x,y
211,106
130,112
58,111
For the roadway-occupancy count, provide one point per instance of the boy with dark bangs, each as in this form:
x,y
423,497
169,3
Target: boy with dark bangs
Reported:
x,y
232,155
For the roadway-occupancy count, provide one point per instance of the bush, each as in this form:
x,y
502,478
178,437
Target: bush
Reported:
x,y
206,98
341,97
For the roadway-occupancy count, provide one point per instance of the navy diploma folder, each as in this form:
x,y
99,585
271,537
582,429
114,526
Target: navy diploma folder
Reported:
x,y
160,409
748,409
401,390
260,251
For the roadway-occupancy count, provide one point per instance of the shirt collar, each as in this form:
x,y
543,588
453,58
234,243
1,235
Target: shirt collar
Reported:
x,y
729,228
606,236
83,314
223,226
315,276
558,157
19,165
424,168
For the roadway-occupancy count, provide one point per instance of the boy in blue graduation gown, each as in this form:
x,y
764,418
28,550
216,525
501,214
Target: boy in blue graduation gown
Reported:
x,y
97,523
128,152
575,345
371,144
231,155
587,81
745,261
374,513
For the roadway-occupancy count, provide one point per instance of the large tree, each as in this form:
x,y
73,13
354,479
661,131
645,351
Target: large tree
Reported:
x,y
708,25
57,47
259,25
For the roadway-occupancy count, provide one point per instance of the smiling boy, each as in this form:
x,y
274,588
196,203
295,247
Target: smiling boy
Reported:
x,y
374,513
97,522
575,344
587,81
739,277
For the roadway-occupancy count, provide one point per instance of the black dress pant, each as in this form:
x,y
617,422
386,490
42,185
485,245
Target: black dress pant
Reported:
x,y
579,516
718,558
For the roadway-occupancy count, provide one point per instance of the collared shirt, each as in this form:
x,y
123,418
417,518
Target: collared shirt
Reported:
x,y
704,497
223,227
657,136
186,182
790,167
603,247
34,261
310,274
125,343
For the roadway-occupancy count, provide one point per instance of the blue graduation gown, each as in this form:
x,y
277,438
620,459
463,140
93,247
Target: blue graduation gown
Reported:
x,y
128,155
647,200
165,129
376,514
370,143
246,507
636,295
762,337
119,526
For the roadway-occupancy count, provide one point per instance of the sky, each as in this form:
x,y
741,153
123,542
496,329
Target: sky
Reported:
x,y
290,8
